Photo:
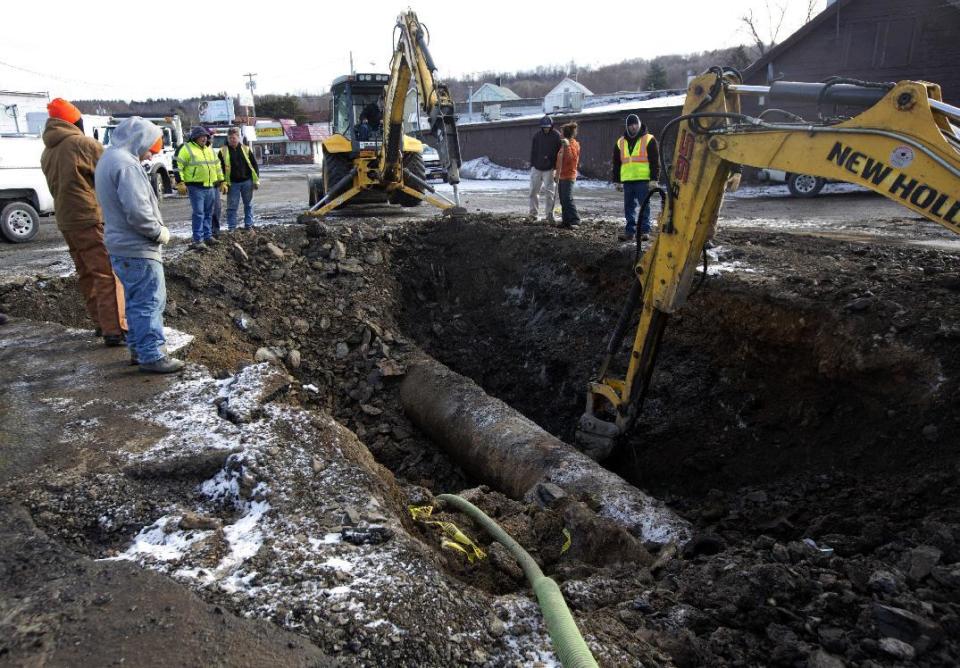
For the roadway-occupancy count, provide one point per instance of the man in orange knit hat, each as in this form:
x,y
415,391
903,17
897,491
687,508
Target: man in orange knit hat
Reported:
x,y
68,163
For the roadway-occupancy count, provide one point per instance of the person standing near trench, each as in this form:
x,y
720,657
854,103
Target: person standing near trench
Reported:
x,y
198,177
568,161
543,159
68,162
242,176
636,163
134,235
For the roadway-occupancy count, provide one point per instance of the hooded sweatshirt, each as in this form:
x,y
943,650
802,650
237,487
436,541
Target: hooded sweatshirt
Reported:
x,y
653,154
68,163
543,150
132,222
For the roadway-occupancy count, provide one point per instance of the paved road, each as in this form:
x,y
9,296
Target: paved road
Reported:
x,y
282,196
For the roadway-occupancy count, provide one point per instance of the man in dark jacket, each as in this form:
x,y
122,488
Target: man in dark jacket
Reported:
x,y
543,160
636,162
242,176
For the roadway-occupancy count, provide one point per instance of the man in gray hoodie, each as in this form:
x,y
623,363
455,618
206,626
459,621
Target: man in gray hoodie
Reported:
x,y
134,234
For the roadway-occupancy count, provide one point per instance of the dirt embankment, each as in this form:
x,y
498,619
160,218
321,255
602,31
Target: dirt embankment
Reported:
x,y
801,415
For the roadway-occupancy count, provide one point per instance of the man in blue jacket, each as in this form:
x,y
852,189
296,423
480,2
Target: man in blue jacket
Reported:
x,y
134,234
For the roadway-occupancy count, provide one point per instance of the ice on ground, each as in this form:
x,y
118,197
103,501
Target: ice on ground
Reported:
x,y
158,542
176,340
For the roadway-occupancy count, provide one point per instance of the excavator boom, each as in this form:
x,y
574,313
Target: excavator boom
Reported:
x,y
905,145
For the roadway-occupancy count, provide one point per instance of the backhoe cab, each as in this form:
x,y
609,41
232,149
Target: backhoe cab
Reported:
x,y
357,123
370,158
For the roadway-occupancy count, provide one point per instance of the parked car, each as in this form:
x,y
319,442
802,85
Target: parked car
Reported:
x,y
431,162
800,185
24,195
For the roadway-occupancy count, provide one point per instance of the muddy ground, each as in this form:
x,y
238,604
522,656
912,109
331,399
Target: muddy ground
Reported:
x,y
801,417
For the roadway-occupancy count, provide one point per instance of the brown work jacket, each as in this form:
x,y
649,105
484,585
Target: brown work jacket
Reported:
x,y
68,161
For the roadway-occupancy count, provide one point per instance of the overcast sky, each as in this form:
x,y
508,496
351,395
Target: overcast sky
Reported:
x,y
136,50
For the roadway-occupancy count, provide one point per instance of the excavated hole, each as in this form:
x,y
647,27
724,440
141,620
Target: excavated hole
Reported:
x,y
751,387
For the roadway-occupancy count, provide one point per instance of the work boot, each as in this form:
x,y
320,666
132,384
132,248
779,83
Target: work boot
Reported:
x,y
645,237
626,236
197,246
165,364
212,241
134,361
114,340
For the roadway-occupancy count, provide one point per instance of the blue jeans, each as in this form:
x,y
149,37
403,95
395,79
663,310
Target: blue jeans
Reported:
x,y
202,201
215,216
145,292
244,190
634,192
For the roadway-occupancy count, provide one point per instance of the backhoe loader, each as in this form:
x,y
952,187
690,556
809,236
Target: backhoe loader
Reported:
x,y
369,158
904,144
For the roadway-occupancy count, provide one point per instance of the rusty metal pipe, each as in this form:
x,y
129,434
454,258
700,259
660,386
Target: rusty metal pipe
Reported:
x,y
506,450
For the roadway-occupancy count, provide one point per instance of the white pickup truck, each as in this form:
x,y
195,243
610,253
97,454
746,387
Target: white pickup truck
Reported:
x,y
24,195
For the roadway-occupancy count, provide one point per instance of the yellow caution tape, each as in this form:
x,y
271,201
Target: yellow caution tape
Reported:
x,y
420,512
567,542
461,541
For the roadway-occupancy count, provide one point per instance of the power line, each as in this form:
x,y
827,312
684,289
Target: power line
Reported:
x,y
58,78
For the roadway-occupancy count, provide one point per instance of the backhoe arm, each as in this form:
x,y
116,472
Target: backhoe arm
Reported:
x,y
904,146
412,60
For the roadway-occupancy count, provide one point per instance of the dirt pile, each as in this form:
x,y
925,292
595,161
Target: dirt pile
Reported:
x,y
800,417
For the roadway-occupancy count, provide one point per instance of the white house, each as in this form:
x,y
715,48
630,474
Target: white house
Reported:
x,y
568,95
489,92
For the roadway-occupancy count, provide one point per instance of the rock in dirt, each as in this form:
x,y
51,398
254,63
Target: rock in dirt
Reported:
x,y
342,350
265,355
372,535
193,521
897,649
339,250
293,359
903,624
374,257
239,254
274,250
822,659
922,560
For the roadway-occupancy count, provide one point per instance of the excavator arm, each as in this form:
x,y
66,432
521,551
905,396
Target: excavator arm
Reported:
x,y
412,61
904,145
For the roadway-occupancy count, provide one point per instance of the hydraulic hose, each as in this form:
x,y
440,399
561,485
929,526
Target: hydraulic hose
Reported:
x,y
569,645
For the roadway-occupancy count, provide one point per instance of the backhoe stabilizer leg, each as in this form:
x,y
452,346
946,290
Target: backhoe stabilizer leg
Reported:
x,y
340,200
438,201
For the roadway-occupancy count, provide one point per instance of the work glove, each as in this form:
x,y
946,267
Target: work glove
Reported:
x,y
224,188
619,187
182,188
164,237
256,186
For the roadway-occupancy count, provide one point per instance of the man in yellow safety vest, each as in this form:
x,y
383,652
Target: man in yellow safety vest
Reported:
x,y
198,176
636,162
242,175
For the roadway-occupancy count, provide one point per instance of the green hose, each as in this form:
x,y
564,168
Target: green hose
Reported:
x,y
569,645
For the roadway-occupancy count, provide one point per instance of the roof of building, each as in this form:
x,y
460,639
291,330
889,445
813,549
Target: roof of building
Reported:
x,y
501,92
569,83
665,102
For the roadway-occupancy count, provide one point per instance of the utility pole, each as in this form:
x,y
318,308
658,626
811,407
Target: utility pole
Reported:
x,y
251,84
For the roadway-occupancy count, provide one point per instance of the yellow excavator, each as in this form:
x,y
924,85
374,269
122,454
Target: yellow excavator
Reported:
x,y
369,159
904,144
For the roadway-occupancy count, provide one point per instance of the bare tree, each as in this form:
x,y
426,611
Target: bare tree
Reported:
x,y
811,10
765,37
